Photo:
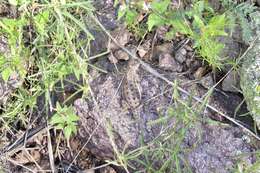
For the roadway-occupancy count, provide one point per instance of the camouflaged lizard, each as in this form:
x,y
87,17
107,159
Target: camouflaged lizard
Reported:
x,y
131,85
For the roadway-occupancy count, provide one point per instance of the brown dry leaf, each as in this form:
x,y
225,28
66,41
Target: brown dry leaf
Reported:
x,y
23,157
36,155
89,171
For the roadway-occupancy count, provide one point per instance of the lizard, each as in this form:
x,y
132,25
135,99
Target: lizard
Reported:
x,y
131,85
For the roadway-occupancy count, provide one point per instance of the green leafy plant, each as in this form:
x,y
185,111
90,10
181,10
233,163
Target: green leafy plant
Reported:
x,y
65,119
130,14
45,45
200,23
17,59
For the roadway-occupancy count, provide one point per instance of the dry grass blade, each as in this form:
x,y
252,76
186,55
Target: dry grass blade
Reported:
x,y
50,150
148,68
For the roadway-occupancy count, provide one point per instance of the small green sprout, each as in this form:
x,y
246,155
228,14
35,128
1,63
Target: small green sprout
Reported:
x,y
65,119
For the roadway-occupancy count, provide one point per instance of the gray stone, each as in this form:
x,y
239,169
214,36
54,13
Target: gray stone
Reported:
x,y
165,48
250,80
121,55
167,62
7,87
230,52
217,150
110,121
207,81
14,81
231,82
258,2
180,55
232,48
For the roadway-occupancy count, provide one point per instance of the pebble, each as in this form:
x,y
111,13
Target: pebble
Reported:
x,y
143,49
180,55
207,81
161,32
121,55
122,36
107,169
231,82
258,2
188,48
112,58
200,72
167,62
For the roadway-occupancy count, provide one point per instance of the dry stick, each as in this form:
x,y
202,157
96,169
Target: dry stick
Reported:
x,y
18,146
148,68
51,158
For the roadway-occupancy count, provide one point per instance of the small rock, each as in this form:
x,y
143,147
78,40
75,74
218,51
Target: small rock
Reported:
x,y
112,58
231,49
130,126
121,55
207,81
122,37
107,169
99,44
180,55
250,78
216,5
230,52
142,52
162,49
231,82
167,62
188,48
4,49
200,72
161,32
143,49
258,2
190,54
88,171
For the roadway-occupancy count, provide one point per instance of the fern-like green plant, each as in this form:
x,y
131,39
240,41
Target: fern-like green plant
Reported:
x,y
244,15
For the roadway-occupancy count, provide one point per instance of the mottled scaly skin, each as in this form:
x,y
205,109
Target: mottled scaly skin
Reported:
x,y
250,80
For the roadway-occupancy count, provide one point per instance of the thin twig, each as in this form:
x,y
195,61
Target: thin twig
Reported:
x,y
148,68
51,157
